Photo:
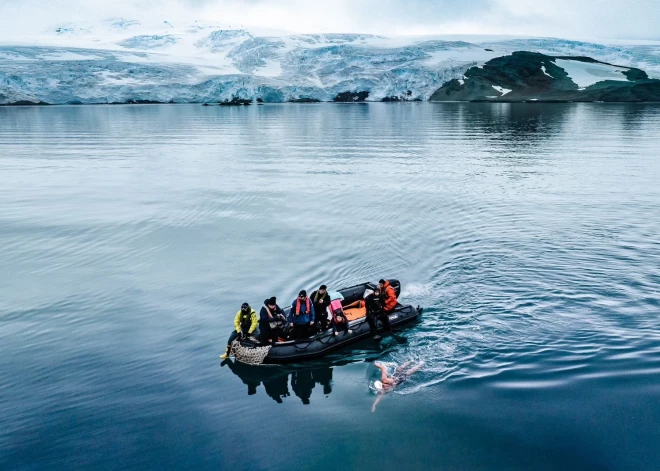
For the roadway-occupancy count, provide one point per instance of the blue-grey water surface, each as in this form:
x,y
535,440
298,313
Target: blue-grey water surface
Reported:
x,y
130,235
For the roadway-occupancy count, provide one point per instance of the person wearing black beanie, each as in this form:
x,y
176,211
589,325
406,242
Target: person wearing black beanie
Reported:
x,y
271,321
321,300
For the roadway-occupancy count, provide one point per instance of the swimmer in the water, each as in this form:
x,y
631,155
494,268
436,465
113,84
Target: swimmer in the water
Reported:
x,y
388,383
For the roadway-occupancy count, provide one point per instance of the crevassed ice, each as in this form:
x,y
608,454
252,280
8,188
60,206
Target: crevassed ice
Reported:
x,y
204,62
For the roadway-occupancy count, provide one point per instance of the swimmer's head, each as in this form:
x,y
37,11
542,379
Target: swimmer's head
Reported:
x,y
378,385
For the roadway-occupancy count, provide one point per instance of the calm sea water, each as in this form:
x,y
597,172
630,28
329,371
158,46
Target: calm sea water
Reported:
x,y
130,235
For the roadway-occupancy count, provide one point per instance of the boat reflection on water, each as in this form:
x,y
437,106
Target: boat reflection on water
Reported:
x,y
275,380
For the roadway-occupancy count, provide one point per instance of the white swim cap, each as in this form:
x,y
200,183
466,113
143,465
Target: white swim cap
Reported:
x,y
378,385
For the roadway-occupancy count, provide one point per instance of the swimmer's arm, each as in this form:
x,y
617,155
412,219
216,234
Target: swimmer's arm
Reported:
x,y
415,368
383,374
378,399
404,366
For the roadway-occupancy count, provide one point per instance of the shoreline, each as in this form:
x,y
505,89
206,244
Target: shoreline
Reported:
x,y
389,103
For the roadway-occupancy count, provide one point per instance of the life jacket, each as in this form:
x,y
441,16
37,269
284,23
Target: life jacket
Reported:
x,y
388,297
246,320
308,306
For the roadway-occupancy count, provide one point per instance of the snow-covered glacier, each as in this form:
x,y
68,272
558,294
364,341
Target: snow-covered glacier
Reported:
x,y
202,63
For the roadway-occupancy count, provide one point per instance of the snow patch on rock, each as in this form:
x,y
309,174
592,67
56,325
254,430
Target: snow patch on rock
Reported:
x,y
502,90
546,72
585,74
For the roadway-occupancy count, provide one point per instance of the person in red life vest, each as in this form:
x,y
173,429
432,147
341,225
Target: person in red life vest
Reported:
x,y
301,316
387,296
339,320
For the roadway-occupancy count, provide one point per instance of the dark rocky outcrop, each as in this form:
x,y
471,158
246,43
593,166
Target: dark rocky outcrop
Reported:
x,y
408,96
395,99
529,76
304,100
141,102
351,97
236,101
26,103
635,74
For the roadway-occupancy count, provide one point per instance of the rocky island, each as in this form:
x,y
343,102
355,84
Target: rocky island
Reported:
x,y
530,76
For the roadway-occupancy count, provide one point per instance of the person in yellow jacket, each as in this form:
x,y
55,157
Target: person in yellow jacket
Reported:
x,y
245,323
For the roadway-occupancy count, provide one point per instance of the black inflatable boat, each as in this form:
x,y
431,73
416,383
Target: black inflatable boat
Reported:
x,y
253,352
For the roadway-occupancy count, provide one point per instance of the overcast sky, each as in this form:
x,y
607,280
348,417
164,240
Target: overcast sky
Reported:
x,y
583,19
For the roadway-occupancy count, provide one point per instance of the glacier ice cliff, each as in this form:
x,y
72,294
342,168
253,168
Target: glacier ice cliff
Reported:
x,y
199,64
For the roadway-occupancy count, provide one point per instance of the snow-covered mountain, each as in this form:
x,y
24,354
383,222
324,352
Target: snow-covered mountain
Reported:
x,y
123,61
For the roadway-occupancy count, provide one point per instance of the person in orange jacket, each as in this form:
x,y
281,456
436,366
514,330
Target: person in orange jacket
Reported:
x,y
387,296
